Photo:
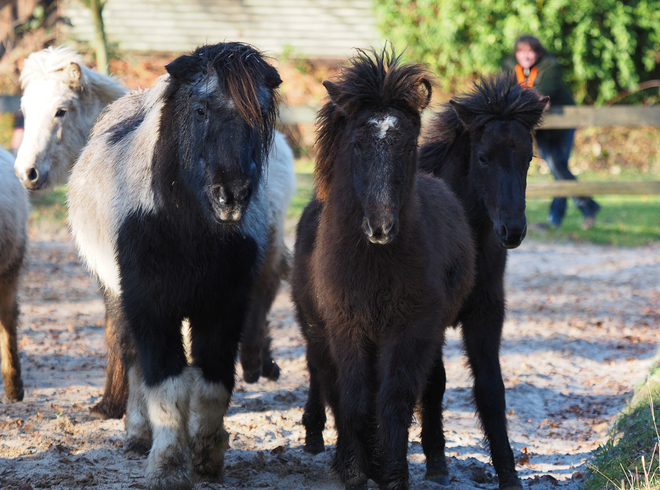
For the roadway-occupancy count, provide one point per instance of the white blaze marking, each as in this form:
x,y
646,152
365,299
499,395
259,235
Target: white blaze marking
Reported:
x,y
383,124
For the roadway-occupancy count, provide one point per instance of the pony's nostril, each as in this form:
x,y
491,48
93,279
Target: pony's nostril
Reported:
x,y
366,227
219,194
391,229
503,232
244,194
33,175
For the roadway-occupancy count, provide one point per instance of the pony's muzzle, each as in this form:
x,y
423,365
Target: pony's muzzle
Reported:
x,y
230,201
512,234
32,179
381,231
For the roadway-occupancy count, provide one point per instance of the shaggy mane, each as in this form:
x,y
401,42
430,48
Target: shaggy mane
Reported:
x,y
372,81
497,97
51,63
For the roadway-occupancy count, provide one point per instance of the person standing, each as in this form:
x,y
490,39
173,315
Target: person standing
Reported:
x,y
535,67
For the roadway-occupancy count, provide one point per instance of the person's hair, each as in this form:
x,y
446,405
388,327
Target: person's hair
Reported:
x,y
533,43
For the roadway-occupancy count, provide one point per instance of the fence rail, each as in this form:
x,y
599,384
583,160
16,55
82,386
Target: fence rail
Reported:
x,y
555,118
567,188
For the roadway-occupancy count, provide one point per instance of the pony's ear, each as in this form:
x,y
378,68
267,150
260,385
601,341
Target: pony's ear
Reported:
x,y
333,91
183,68
465,115
272,77
422,94
73,75
545,100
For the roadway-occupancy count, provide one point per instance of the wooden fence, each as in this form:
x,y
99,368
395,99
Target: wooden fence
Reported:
x,y
556,117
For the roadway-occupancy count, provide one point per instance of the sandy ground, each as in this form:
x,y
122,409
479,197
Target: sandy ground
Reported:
x,y
580,334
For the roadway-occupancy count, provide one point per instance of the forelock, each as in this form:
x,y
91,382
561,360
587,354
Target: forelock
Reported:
x,y
47,64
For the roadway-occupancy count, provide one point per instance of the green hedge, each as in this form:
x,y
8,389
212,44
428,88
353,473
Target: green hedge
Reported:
x,y
606,46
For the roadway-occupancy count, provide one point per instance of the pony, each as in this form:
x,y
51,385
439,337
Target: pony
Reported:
x,y
481,145
14,210
383,259
61,100
170,206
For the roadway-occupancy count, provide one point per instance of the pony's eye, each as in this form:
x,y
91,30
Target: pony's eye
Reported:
x,y
60,112
200,112
482,161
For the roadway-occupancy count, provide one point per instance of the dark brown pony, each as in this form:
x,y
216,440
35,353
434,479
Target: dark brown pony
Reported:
x,y
383,260
481,146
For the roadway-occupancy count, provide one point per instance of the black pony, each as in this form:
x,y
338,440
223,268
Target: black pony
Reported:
x,y
481,146
383,260
169,209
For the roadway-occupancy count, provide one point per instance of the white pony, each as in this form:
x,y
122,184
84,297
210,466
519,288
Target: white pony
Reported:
x,y
61,100
13,239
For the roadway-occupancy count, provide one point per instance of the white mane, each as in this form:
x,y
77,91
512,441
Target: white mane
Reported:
x,y
50,63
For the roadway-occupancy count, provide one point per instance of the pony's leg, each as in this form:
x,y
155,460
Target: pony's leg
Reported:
x,y
482,332
357,424
11,368
138,429
433,437
405,362
256,358
113,403
314,416
214,348
167,386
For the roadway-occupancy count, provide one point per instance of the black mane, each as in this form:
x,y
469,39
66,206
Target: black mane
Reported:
x,y
497,97
372,81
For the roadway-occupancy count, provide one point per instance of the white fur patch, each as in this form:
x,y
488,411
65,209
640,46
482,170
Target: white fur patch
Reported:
x,y
110,181
138,428
208,437
14,211
383,124
168,409
272,200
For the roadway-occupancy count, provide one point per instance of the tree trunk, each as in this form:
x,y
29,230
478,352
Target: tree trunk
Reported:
x,y
101,45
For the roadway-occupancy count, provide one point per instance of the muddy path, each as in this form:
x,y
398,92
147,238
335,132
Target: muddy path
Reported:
x,y
580,334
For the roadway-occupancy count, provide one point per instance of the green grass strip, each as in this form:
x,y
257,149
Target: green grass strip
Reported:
x,y
629,459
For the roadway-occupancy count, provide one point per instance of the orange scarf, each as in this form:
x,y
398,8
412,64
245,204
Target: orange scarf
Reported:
x,y
526,81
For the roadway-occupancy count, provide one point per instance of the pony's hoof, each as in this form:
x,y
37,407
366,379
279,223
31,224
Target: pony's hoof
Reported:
x,y
15,394
314,447
209,475
106,410
511,484
252,377
440,480
271,370
136,448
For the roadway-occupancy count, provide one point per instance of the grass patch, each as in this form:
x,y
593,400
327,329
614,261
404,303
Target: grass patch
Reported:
x,y
629,459
6,129
49,206
622,221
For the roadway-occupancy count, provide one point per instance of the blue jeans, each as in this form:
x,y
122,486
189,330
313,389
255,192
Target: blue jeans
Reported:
x,y
555,146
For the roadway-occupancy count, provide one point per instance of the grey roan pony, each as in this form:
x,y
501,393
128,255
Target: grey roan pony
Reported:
x,y
383,260
169,206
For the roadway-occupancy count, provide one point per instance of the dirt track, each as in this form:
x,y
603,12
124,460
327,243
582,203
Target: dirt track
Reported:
x,y
581,332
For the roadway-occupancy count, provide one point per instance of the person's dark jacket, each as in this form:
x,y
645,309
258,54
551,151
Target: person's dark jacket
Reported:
x,y
548,79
